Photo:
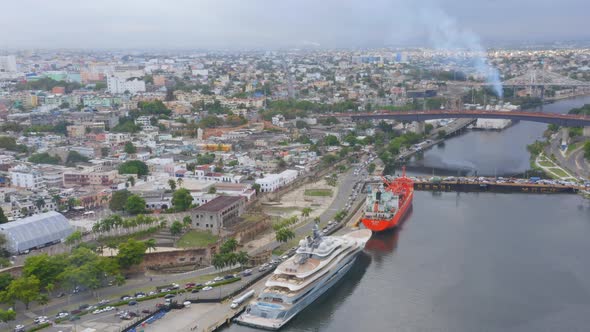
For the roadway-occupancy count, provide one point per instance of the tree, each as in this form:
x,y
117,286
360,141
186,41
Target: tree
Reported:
x,y
187,222
135,205
43,299
179,181
587,150
182,199
24,289
44,158
172,184
5,280
306,212
371,168
45,268
131,181
230,245
130,148
284,235
331,140
134,167
212,190
256,186
176,228
74,237
131,253
442,134
119,199
3,218
7,315
74,158
151,244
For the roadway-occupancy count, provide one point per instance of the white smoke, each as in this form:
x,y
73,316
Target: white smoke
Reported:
x,y
445,34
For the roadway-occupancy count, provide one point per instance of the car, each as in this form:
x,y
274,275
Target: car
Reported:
x,y
189,285
123,297
109,308
152,293
62,314
126,298
98,311
75,312
84,306
218,279
140,296
208,288
92,307
132,314
168,301
229,276
19,328
247,272
103,302
73,318
40,319
146,311
195,290
285,257
169,296
62,294
187,304
160,305
210,282
132,302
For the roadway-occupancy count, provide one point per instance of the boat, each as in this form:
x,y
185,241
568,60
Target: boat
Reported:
x,y
388,203
318,264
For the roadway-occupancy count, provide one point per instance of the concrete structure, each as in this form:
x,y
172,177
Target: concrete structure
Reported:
x,y
35,232
272,182
8,64
218,213
118,85
88,177
25,177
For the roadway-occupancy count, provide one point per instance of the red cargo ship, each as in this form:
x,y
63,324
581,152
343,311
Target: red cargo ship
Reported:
x,y
388,203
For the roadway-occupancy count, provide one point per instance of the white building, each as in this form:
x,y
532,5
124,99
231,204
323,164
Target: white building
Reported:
x,y
25,177
8,64
143,121
118,85
272,182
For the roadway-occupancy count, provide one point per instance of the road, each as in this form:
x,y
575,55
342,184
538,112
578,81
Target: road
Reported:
x,y
573,161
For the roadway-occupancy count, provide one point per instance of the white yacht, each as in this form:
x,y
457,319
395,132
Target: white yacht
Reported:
x,y
320,261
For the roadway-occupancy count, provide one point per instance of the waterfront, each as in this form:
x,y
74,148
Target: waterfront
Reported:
x,y
470,261
490,153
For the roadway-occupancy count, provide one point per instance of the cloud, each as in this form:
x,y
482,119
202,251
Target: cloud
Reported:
x,y
273,23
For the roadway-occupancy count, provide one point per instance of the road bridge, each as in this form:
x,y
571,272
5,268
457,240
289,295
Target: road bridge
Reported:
x,y
565,120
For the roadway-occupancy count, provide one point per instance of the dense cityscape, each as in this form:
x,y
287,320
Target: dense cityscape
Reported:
x,y
159,190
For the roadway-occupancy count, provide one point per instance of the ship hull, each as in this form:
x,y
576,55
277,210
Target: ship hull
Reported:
x,y
380,225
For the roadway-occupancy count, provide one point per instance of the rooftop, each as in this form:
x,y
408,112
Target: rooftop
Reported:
x,y
217,204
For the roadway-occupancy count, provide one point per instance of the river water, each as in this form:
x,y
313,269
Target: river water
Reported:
x,y
470,261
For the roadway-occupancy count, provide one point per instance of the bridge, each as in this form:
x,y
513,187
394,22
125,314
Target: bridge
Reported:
x,y
565,120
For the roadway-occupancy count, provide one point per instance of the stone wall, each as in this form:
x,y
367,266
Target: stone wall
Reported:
x,y
180,257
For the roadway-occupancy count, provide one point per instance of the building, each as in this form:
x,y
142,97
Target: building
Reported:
x,y
8,64
218,213
25,177
272,182
89,177
37,231
118,85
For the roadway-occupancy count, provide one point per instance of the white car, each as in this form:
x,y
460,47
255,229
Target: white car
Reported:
x,y
210,282
97,311
208,288
218,279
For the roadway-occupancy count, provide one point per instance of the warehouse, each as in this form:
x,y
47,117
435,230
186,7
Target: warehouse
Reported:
x,y
36,231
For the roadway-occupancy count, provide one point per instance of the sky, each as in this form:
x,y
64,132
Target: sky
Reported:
x,y
225,24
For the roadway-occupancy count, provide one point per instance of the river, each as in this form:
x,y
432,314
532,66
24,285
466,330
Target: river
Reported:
x,y
470,261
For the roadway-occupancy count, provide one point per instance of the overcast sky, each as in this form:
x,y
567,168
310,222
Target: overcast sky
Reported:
x,y
283,23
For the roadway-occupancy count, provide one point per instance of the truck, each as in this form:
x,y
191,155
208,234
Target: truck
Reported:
x,y
237,302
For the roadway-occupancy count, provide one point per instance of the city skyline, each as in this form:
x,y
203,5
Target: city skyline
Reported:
x,y
261,24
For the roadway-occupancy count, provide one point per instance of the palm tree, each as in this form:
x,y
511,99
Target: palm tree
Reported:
x,y
242,258
306,212
131,180
284,235
179,181
172,184
316,220
151,244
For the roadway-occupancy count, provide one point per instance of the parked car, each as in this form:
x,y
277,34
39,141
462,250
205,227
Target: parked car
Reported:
x,y
208,288
73,318
132,302
247,272
146,311
84,306
229,276
187,304
19,328
195,290
218,279
169,296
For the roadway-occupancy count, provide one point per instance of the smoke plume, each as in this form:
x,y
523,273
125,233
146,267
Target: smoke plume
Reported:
x,y
444,33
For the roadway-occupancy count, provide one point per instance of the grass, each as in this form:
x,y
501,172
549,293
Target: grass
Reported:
x,y
319,192
546,163
281,210
196,238
253,217
559,172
